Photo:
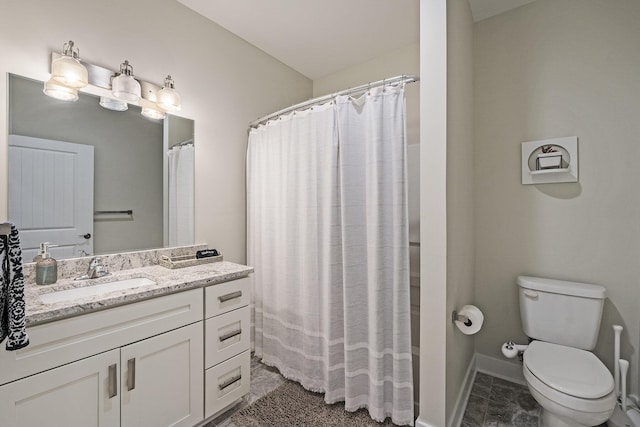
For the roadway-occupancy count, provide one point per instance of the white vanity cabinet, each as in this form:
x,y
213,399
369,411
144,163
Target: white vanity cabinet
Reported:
x,y
173,360
148,371
160,383
80,394
157,387
227,355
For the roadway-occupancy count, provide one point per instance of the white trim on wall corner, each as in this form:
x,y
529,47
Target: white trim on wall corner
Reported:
x,y
463,394
420,423
501,368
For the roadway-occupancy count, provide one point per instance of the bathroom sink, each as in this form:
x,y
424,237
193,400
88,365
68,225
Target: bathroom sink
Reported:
x,y
95,290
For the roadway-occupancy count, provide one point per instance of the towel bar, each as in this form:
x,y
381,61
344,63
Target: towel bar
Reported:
x,y
128,212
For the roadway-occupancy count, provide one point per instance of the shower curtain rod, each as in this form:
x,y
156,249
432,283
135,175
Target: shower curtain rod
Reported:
x,y
185,142
351,91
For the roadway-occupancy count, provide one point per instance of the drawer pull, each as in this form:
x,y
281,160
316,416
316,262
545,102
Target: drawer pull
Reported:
x,y
131,374
232,295
113,381
229,382
230,335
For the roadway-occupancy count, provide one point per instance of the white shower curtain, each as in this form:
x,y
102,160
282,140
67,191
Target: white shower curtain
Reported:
x,y
181,195
328,237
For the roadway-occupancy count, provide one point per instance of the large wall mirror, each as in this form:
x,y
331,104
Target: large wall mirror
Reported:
x,y
93,180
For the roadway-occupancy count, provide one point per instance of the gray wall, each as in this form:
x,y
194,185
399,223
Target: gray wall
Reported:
x,y
180,130
224,82
127,159
559,68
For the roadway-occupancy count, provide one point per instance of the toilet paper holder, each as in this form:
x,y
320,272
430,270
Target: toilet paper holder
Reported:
x,y
460,318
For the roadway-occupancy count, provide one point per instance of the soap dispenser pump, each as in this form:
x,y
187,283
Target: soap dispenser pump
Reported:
x,y
46,266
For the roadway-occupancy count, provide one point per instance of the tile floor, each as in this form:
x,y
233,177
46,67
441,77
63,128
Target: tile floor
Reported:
x,y
495,402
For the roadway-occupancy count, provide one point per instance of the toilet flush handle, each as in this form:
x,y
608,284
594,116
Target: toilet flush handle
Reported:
x,y
531,294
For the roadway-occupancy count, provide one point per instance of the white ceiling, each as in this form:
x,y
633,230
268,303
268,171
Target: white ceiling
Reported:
x,y
320,37
317,37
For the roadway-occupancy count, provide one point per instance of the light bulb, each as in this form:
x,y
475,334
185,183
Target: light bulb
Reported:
x,y
124,86
152,113
68,70
168,98
55,90
113,104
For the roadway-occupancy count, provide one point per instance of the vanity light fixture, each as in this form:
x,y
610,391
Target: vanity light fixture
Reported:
x,y
167,98
124,86
68,70
55,90
113,104
115,88
152,113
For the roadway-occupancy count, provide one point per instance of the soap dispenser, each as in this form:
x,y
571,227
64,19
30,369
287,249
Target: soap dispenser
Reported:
x,y
46,266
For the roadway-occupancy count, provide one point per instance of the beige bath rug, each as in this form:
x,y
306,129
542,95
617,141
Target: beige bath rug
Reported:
x,y
292,405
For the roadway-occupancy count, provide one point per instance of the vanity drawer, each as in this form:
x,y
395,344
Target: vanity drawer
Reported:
x,y
227,296
225,383
64,341
226,335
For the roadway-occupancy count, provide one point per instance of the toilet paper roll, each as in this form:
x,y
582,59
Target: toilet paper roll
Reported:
x,y
475,316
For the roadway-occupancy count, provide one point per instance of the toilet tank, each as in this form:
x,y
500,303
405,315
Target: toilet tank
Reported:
x,y
561,312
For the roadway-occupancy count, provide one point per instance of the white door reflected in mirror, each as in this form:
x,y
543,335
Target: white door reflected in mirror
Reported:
x,y
51,195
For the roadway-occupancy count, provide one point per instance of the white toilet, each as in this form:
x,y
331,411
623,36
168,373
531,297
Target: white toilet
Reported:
x,y
571,384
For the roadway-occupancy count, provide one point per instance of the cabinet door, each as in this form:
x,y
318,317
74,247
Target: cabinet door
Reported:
x,y
83,394
162,381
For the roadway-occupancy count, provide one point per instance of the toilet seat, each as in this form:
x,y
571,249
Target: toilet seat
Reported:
x,y
559,409
569,371
604,404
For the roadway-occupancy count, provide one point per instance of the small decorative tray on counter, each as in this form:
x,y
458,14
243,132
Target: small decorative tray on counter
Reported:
x,y
186,261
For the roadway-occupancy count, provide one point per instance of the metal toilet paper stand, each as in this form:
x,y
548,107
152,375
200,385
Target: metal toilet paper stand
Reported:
x,y
460,318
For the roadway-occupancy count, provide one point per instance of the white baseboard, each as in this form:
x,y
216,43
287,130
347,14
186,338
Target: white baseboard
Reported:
x,y
501,368
422,423
463,394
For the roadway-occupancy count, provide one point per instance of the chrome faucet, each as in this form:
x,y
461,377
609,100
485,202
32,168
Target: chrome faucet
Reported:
x,y
96,269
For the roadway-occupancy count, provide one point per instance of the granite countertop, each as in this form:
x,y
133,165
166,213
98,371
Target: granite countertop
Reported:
x,y
168,281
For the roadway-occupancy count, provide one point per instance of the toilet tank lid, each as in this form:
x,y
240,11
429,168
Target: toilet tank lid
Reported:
x,y
564,287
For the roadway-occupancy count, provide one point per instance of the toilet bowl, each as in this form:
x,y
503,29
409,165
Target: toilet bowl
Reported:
x,y
573,386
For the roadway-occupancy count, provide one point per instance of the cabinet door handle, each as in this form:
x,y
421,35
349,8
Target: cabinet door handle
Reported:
x,y
113,380
230,335
131,374
232,295
230,381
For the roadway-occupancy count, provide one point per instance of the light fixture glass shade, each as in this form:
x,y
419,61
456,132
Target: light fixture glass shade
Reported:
x,y
152,113
167,98
55,90
68,70
124,86
113,104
